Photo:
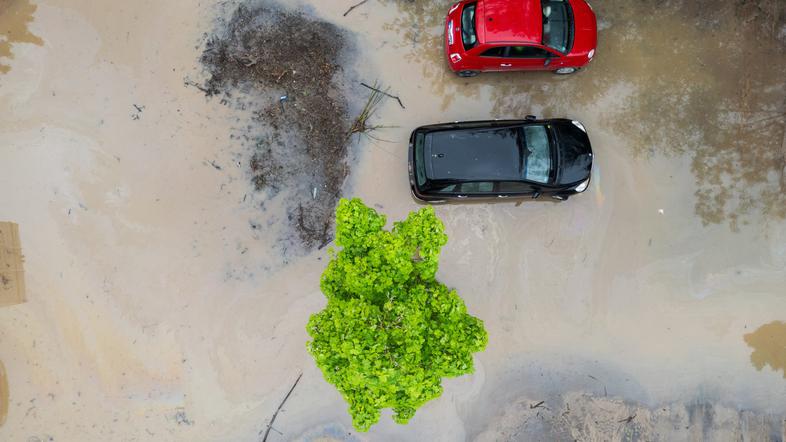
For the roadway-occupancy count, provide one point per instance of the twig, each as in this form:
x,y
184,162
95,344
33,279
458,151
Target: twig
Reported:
x,y
353,7
325,243
188,82
272,419
628,419
539,404
385,93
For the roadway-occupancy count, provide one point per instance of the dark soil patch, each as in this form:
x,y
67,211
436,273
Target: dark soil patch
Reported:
x,y
286,62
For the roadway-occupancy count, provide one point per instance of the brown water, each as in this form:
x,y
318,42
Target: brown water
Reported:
x,y
15,17
3,394
157,308
769,346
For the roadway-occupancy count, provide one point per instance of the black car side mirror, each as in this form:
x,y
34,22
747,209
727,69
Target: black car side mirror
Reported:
x,y
536,195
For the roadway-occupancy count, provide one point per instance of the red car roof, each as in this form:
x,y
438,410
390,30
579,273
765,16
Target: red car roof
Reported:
x,y
518,21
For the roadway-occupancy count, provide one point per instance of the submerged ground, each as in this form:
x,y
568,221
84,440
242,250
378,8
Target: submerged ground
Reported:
x,y
167,290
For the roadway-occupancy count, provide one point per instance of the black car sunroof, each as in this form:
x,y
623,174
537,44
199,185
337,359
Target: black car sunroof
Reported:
x,y
474,154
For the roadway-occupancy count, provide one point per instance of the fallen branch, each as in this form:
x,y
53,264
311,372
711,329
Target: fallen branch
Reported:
x,y
353,7
539,404
272,419
385,93
360,126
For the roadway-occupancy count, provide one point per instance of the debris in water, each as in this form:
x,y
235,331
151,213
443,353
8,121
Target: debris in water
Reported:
x,y
181,418
354,6
308,142
273,419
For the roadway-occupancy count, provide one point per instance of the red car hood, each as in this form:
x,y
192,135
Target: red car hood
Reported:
x,y
585,28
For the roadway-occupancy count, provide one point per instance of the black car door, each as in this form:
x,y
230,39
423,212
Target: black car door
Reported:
x,y
476,189
513,189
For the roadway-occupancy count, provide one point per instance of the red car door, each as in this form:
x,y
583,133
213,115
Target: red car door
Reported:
x,y
530,58
493,58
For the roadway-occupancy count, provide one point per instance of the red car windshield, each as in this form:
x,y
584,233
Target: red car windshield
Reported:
x,y
557,25
468,35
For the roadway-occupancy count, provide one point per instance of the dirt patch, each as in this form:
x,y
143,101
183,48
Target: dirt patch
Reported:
x,y
3,394
702,79
284,65
12,281
769,346
578,416
15,17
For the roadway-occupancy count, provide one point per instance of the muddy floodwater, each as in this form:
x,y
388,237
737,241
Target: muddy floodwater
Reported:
x,y
769,346
15,17
167,292
3,395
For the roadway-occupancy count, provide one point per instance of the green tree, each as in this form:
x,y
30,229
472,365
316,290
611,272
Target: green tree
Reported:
x,y
390,331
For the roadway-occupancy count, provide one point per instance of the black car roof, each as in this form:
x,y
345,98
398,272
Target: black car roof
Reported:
x,y
474,154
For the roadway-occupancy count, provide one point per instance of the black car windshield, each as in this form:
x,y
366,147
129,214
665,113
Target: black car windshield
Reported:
x,y
557,25
468,35
537,154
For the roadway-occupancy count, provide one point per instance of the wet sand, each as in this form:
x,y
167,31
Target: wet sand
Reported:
x,y
156,311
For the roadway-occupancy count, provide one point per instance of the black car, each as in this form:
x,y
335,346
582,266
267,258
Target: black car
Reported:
x,y
499,159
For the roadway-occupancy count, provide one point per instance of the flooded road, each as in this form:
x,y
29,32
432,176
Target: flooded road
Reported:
x,y
158,306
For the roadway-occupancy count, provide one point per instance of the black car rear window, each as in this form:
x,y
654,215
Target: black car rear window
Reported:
x,y
468,35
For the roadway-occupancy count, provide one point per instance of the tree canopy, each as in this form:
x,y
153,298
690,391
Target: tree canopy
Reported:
x,y
390,331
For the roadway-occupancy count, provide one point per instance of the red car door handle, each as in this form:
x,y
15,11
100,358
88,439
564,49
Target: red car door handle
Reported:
x,y
506,65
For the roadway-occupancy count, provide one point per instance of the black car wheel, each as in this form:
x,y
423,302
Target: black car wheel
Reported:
x,y
467,74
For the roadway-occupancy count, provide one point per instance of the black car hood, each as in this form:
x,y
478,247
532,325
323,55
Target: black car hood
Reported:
x,y
575,153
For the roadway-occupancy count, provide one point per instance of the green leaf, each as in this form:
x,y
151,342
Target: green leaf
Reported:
x,y
390,330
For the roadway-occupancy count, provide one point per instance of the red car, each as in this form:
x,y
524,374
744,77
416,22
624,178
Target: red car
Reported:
x,y
520,35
